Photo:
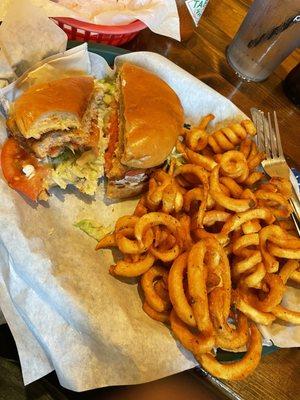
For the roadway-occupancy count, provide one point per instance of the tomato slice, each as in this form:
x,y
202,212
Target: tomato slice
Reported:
x,y
113,138
13,159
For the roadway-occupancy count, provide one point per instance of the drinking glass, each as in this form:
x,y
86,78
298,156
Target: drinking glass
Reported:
x,y
268,34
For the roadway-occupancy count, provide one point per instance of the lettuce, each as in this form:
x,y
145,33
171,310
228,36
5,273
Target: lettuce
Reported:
x,y
93,228
81,171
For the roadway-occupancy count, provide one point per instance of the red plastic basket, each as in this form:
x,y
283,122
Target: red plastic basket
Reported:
x,y
86,32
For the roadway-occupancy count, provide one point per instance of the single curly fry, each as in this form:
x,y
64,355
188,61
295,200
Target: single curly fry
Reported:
x,y
229,338
255,277
235,190
275,202
202,177
269,260
205,121
277,251
133,269
285,314
249,126
194,195
253,178
172,198
127,244
218,195
273,297
200,160
246,146
166,255
108,240
240,243
141,207
237,370
197,343
234,165
254,161
280,244
196,139
157,316
177,293
156,218
237,220
246,264
213,216
227,138
185,222
157,184
251,226
287,270
151,295
197,273
242,304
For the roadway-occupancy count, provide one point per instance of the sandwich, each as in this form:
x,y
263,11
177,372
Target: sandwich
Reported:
x,y
75,130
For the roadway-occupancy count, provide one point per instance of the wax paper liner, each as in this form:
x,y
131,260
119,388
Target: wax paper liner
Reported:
x,y
86,324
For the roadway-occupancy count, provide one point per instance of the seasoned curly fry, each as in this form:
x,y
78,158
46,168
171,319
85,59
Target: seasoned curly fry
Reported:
x,y
157,316
108,240
228,202
239,369
227,138
202,177
152,297
234,165
197,343
196,139
134,268
177,293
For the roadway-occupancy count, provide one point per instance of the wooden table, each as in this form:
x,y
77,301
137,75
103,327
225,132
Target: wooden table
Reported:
x,y
204,57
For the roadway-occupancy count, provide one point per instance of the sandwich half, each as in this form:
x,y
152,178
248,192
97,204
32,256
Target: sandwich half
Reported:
x,y
146,123
71,131
56,131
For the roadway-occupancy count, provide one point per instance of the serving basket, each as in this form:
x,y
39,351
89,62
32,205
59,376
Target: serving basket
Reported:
x,y
111,35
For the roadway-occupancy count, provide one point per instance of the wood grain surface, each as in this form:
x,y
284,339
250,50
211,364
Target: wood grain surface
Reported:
x,y
277,377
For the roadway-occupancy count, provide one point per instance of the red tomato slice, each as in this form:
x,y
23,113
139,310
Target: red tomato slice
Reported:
x,y
13,159
113,138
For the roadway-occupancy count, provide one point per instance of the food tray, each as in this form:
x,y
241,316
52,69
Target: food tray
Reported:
x,y
109,53
112,35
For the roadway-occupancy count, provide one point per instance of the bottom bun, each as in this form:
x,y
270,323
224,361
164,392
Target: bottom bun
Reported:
x,y
126,191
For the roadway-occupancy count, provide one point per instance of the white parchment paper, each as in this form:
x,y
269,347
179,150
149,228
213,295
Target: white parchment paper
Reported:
x,y
65,310
27,36
161,16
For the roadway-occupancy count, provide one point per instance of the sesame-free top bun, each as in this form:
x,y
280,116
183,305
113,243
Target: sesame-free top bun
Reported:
x,y
152,117
56,105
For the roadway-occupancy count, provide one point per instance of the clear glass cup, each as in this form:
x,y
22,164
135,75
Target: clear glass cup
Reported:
x,y
268,34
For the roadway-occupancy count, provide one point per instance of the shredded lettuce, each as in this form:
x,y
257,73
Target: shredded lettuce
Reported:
x,y
93,228
82,171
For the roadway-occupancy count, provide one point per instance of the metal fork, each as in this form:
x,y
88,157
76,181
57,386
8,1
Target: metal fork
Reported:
x,y
268,140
